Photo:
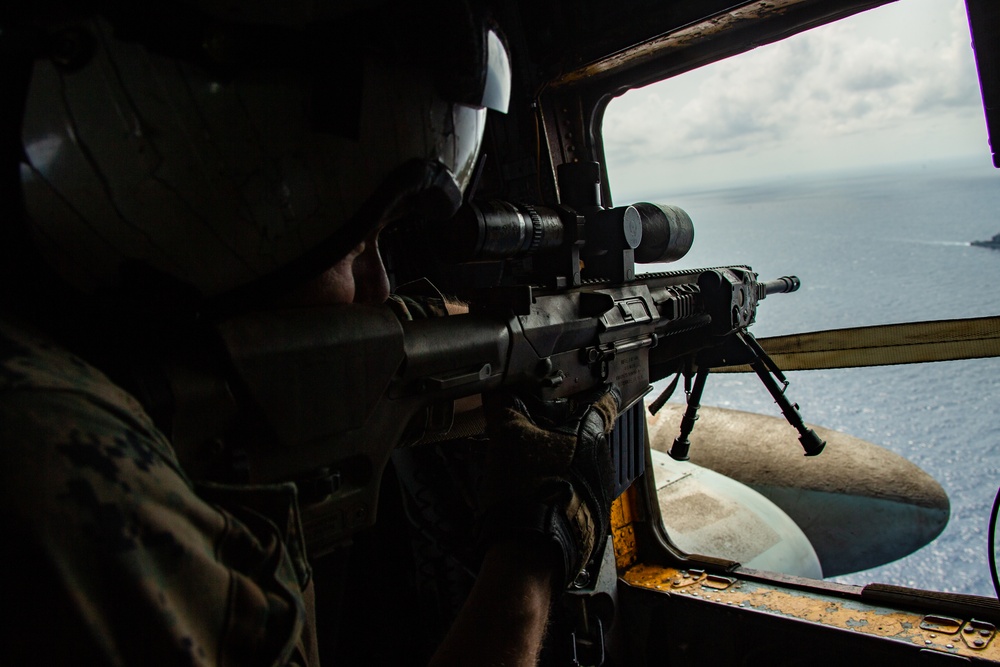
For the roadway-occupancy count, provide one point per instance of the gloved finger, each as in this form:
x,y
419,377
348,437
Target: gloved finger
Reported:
x,y
542,447
607,407
554,413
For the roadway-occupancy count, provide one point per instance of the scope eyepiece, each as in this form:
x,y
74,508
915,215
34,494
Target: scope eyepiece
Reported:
x,y
497,229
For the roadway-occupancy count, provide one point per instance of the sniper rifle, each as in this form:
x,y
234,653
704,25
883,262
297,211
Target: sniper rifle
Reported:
x,y
334,390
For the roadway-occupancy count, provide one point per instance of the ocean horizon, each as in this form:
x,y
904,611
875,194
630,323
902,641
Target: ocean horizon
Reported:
x,y
876,247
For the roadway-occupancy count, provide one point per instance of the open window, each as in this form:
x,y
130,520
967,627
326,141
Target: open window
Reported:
x,y
852,156
873,246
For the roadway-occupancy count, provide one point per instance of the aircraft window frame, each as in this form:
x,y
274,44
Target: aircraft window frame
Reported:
x,y
602,150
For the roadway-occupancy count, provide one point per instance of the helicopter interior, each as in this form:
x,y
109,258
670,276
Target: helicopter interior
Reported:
x,y
673,607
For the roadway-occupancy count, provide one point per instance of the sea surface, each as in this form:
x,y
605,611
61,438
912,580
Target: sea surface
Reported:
x,y
875,248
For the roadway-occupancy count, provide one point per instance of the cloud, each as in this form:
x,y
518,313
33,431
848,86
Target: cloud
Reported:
x,y
846,78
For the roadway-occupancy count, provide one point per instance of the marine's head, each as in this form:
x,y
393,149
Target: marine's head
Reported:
x,y
240,147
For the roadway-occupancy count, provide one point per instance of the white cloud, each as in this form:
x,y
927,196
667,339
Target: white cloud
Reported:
x,y
897,69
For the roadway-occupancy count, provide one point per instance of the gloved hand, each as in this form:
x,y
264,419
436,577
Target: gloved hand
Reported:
x,y
549,474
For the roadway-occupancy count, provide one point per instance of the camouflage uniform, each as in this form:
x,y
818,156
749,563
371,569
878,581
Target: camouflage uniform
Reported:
x,y
112,557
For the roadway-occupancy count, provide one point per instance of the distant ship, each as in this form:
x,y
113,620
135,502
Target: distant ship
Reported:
x,y
992,243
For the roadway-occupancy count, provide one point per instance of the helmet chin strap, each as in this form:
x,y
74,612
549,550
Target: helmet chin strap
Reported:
x,y
16,61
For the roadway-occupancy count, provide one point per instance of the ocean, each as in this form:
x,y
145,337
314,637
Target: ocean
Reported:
x,y
875,248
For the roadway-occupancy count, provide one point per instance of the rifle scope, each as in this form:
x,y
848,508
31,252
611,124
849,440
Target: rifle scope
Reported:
x,y
497,230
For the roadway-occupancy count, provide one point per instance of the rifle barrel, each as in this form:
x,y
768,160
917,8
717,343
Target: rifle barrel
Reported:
x,y
782,285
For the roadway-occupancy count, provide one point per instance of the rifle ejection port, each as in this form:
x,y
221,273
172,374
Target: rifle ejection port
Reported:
x,y
638,310
628,312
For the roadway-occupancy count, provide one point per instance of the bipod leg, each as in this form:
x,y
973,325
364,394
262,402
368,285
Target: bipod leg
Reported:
x,y
764,367
682,445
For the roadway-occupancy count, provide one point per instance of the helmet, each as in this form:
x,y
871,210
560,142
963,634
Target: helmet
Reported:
x,y
233,147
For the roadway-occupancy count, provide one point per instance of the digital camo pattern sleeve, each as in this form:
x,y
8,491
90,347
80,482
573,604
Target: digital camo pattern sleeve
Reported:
x,y
110,556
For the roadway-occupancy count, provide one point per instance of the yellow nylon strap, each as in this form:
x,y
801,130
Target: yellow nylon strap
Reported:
x,y
908,343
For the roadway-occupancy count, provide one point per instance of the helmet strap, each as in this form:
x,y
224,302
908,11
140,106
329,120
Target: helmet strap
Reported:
x,y
19,261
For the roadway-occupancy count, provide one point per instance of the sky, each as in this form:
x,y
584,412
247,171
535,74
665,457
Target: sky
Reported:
x,y
894,85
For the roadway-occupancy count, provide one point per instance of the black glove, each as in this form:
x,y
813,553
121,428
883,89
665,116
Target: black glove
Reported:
x,y
549,474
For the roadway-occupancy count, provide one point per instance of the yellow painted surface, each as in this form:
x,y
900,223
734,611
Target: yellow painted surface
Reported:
x,y
623,515
846,614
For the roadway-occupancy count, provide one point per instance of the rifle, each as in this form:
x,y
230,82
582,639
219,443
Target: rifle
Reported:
x,y
355,382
